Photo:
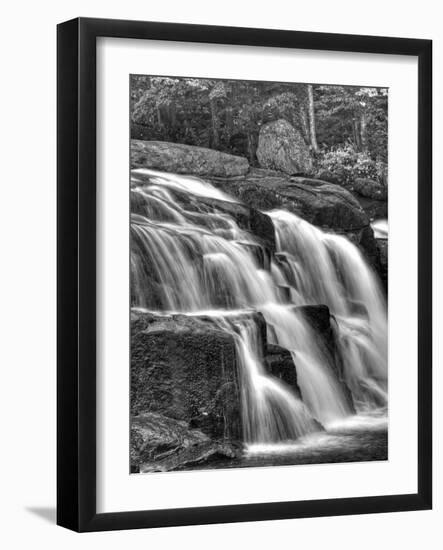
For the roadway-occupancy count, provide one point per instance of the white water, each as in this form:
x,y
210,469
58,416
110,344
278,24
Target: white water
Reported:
x,y
380,228
271,412
187,184
188,255
336,439
321,390
329,269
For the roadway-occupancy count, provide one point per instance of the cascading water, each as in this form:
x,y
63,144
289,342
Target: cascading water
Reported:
x,y
329,269
319,385
270,411
189,255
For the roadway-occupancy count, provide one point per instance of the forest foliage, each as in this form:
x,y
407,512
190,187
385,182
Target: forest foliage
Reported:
x,y
345,127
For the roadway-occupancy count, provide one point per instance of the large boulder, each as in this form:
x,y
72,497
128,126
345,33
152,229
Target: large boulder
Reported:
x,y
318,202
159,443
185,368
155,436
203,455
281,147
185,159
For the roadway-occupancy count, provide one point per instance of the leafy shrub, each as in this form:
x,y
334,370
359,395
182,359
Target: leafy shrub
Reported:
x,y
344,164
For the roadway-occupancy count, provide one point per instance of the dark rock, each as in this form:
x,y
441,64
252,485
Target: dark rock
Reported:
x,y
319,318
321,321
260,254
358,308
198,456
137,204
382,246
375,209
323,204
364,239
159,443
330,177
247,218
185,159
155,436
185,368
279,363
284,292
282,147
318,202
371,189
261,225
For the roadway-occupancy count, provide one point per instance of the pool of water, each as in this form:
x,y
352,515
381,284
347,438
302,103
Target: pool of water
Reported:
x,y
356,439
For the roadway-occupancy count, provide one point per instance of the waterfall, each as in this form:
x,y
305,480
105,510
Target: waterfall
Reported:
x,y
271,412
329,269
190,255
319,385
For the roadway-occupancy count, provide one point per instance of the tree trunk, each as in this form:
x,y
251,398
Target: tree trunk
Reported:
x,y
363,132
313,132
215,142
229,123
251,148
172,112
357,135
159,116
229,115
305,125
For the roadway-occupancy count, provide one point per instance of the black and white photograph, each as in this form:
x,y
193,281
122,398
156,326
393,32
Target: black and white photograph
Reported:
x,y
221,275
258,268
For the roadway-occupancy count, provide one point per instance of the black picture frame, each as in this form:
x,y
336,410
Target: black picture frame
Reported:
x,y
76,281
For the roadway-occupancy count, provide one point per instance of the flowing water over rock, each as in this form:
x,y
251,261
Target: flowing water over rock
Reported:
x,y
190,255
380,228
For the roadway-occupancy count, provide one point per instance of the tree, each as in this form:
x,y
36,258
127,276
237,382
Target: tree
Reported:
x,y
357,116
312,130
228,115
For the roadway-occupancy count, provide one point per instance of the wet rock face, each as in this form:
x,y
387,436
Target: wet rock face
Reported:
x,y
382,246
281,147
247,218
365,240
319,318
185,159
279,363
321,321
186,369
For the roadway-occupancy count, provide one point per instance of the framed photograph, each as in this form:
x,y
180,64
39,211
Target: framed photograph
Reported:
x,y
244,274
